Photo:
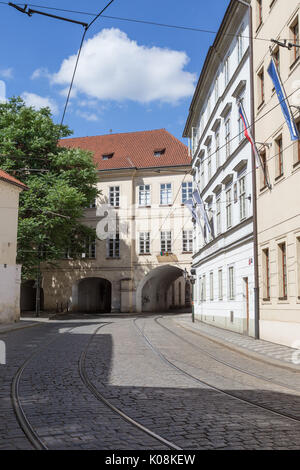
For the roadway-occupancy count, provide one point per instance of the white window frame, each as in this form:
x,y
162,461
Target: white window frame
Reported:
x,y
114,196
228,208
231,283
242,197
227,136
166,194
187,241
211,286
166,241
218,215
144,195
113,247
187,189
144,243
90,249
220,283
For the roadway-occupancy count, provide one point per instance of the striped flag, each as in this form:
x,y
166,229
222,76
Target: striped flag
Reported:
x,y
200,205
248,134
280,91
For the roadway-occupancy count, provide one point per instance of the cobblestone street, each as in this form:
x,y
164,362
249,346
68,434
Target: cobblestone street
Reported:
x,y
140,383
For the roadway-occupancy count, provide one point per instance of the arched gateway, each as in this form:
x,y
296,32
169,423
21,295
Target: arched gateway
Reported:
x,y
92,294
152,291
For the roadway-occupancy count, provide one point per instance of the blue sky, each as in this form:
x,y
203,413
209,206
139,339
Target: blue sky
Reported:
x,y
131,76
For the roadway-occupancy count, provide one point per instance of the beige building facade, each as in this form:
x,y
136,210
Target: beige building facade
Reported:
x,y
144,232
278,208
10,272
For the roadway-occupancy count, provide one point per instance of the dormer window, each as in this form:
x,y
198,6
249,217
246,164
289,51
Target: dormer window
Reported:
x,y
107,156
159,152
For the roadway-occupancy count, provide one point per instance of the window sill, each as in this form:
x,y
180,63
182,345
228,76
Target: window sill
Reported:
x,y
113,257
186,252
261,105
279,178
263,188
144,254
296,165
165,205
267,299
143,207
284,299
293,64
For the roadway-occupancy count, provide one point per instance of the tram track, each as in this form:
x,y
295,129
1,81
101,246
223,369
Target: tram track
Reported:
x,y
227,364
164,359
99,396
23,421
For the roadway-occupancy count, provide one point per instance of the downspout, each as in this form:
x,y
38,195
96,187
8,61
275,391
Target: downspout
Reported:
x,y
254,189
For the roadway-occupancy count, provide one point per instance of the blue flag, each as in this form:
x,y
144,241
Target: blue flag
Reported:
x,y
273,72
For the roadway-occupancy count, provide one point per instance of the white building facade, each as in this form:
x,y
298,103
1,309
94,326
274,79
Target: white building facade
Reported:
x,y
222,168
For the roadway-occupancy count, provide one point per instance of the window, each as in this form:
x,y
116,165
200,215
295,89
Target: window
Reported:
x,y
282,271
202,178
276,57
166,194
240,46
298,263
113,247
92,204
144,239
259,13
220,283
114,196
228,208
263,159
266,273
203,296
144,195
89,249
159,152
209,162
165,242
218,215
186,191
211,285
107,156
297,146
261,87
216,89
217,142
242,197
187,241
295,40
240,128
226,71
227,137
279,157
231,292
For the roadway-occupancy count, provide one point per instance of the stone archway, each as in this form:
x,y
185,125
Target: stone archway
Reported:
x,y
92,295
151,293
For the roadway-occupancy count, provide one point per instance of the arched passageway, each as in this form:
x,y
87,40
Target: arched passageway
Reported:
x,y
153,293
28,296
94,295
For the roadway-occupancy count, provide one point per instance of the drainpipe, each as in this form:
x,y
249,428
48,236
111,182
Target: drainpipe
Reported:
x,y
254,190
132,250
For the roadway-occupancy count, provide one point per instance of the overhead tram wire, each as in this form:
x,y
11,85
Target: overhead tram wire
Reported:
x,y
86,26
134,20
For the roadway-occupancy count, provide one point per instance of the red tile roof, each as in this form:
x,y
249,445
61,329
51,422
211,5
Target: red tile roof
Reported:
x,y
10,179
133,149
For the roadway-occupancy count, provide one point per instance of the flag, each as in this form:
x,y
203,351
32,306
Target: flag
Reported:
x,y
280,91
200,205
190,205
248,135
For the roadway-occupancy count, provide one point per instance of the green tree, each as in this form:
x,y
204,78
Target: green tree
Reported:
x,y
61,182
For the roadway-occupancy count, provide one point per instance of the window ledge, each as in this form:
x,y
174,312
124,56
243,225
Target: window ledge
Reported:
x,y
144,254
261,105
282,298
279,178
112,257
165,205
143,207
186,252
266,299
297,164
263,188
293,64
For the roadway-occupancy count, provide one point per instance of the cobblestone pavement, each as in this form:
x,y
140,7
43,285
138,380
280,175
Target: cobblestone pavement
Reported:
x,y
132,377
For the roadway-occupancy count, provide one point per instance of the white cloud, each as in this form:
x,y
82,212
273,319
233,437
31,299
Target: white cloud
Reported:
x,y
38,102
6,73
39,73
87,116
114,67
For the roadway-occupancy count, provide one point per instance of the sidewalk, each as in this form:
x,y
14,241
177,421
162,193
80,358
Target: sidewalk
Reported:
x,y
274,354
6,327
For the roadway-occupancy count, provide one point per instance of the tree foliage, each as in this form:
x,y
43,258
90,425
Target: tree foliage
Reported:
x,y
61,182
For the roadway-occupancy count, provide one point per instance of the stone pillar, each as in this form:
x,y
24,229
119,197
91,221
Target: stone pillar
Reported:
x,y
115,297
